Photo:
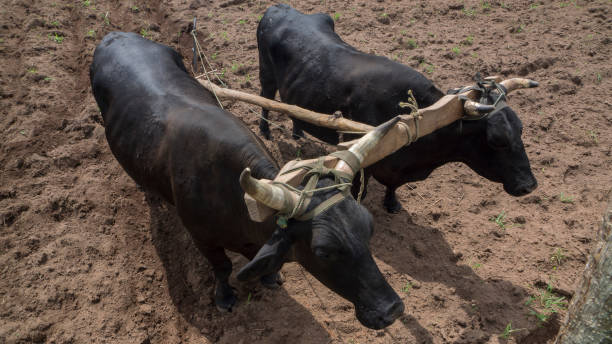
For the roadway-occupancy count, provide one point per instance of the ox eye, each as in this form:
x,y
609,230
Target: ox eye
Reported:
x,y
326,253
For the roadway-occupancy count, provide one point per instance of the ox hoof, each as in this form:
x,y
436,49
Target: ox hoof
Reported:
x,y
392,206
225,301
271,281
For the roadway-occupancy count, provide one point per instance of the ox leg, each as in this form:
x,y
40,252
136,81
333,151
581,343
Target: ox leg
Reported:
x,y
298,133
391,204
271,281
225,298
268,90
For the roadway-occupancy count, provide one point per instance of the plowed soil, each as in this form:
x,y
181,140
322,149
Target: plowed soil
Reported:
x,y
86,256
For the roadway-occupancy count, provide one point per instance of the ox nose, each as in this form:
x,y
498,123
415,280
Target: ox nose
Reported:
x,y
528,187
395,310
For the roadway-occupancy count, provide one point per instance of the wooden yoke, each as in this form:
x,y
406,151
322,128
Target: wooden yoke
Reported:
x,y
444,112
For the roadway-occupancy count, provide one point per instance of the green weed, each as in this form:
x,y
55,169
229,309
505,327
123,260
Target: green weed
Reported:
x,y
485,6
86,3
548,301
48,78
598,78
456,50
407,288
214,55
91,33
566,199
500,220
55,23
144,32
509,330
225,35
32,70
249,299
336,16
469,40
134,9
468,11
412,44
476,266
533,6
557,257
429,68
593,136
56,38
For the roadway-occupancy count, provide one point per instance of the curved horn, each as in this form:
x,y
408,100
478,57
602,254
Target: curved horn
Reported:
x,y
268,194
364,145
516,83
473,108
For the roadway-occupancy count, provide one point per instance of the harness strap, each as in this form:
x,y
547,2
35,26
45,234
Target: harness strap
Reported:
x,y
349,157
328,203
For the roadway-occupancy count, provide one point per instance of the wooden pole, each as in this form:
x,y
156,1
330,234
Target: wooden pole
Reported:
x,y
319,119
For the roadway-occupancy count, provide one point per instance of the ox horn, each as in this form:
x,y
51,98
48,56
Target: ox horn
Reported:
x,y
364,145
267,194
473,108
516,83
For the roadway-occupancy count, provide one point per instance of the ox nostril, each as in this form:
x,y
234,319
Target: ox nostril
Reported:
x,y
394,312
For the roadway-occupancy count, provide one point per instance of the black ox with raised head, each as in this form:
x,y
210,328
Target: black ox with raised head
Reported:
x,y
170,136
308,63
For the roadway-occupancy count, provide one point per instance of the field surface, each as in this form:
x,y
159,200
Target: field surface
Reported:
x,y
86,256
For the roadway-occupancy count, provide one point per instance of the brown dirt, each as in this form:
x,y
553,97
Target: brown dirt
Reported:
x,y
87,257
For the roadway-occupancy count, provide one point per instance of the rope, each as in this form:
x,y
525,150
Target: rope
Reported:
x,y
199,51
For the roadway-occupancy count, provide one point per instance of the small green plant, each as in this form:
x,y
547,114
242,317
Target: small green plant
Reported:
x,y
32,70
521,28
91,33
557,257
500,220
48,78
509,330
598,78
55,23
593,136
468,11
144,32
476,265
504,5
384,15
566,199
429,68
407,288
247,78
249,299
222,74
134,8
22,132
412,44
337,16
214,55
474,55
259,18
456,50
485,6
548,301
106,19
469,40
242,21
533,6
86,3
564,4
224,35
56,38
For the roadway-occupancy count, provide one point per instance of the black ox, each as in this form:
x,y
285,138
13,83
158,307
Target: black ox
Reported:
x,y
170,136
308,63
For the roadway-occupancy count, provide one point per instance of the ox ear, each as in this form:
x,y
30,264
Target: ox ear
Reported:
x,y
499,132
270,257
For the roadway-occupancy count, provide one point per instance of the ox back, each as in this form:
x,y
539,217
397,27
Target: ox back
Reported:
x,y
167,132
308,63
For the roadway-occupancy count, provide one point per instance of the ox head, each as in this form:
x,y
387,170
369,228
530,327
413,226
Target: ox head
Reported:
x,y
492,144
329,236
